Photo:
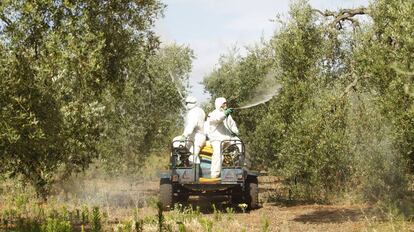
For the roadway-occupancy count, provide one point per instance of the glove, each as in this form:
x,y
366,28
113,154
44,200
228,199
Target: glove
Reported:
x,y
182,139
228,111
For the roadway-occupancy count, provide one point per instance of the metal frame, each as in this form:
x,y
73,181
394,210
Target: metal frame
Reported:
x,y
186,142
236,142
197,188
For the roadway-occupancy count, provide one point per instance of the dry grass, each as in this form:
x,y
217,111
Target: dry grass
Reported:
x,y
125,202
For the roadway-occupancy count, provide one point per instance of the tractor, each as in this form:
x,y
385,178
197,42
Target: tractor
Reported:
x,y
185,178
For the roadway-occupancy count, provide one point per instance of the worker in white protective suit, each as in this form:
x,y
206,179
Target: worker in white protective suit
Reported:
x,y
193,129
222,127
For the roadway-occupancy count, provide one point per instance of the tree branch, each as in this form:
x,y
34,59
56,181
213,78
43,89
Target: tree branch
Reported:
x,y
348,88
400,71
5,19
344,15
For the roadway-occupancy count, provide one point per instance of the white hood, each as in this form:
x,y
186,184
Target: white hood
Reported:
x,y
220,125
219,102
190,102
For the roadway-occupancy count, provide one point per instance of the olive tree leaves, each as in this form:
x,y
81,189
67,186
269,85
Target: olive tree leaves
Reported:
x,y
76,78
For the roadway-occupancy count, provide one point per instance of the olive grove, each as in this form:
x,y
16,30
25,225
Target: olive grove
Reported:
x,y
343,121
79,81
84,81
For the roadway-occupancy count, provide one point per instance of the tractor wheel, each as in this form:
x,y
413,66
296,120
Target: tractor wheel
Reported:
x,y
166,194
183,196
252,193
236,196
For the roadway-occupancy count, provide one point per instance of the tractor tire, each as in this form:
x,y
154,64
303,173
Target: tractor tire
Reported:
x,y
237,196
166,194
252,193
183,196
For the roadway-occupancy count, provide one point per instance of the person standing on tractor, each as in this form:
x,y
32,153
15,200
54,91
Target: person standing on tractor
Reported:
x,y
194,128
222,127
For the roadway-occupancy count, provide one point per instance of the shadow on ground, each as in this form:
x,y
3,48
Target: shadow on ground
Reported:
x,y
282,202
330,216
320,212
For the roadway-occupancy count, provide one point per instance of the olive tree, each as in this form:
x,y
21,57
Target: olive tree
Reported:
x,y
61,62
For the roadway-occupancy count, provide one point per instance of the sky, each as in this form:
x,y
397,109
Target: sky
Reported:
x,y
213,27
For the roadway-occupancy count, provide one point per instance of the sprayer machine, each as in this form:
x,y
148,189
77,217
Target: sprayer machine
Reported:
x,y
184,178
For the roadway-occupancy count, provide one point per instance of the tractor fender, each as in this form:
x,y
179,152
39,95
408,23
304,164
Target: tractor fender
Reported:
x,y
165,174
253,174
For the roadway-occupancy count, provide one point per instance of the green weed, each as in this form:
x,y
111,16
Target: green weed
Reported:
x,y
217,213
138,225
96,220
55,224
181,227
65,214
24,225
207,224
160,217
265,225
230,213
85,215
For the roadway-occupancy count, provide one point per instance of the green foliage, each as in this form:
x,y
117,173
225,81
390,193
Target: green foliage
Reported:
x,y
230,213
384,50
217,213
125,226
344,118
184,214
235,79
85,214
96,220
144,118
295,131
29,226
80,80
86,80
160,217
378,168
53,225
265,225
207,224
386,114
139,225
181,227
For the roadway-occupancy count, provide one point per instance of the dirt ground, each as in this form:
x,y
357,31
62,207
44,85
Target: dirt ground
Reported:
x,y
293,216
121,199
278,215
306,218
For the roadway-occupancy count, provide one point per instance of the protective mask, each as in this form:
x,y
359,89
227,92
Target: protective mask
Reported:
x,y
189,106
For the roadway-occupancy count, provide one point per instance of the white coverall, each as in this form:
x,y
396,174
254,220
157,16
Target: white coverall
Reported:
x,y
194,128
221,128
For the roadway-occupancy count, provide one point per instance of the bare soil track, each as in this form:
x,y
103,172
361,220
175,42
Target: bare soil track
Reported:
x,y
290,215
282,215
279,214
119,199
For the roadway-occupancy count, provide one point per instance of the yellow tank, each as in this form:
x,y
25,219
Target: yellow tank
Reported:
x,y
207,149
